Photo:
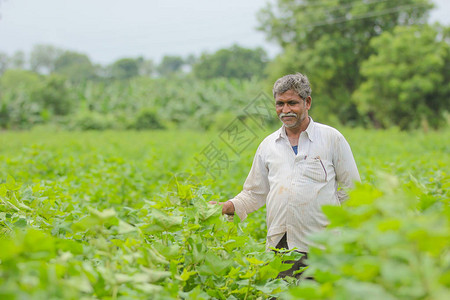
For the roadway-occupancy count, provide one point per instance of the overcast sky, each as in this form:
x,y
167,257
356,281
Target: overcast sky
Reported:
x,y
110,29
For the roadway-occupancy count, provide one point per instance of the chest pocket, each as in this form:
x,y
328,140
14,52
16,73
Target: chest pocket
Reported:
x,y
314,169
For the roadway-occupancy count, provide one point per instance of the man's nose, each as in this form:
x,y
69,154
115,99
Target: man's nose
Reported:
x,y
286,108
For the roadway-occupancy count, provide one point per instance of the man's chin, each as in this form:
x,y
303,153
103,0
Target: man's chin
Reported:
x,y
290,125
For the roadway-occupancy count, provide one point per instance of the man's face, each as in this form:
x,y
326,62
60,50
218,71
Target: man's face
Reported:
x,y
292,110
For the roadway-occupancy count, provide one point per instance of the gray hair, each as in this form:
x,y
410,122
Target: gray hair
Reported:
x,y
298,83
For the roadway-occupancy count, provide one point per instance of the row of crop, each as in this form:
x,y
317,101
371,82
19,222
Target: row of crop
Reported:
x,y
91,225
55,245
101,216
392,245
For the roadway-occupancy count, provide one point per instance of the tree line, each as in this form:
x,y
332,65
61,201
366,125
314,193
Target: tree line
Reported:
x,y
371,63
234,62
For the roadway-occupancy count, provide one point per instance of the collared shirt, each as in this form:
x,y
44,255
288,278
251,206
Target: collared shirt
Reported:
x,y
295,186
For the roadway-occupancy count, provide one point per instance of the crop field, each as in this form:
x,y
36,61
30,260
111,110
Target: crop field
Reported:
x,y
125,215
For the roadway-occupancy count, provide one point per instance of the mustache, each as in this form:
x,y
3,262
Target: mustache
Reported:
x,y
281,115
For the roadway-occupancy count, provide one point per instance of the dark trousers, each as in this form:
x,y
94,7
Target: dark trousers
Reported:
x,y
297,264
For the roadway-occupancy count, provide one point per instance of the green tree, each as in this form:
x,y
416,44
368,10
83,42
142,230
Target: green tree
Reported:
x,y
234,62
18,60
147,118
146,66
329,40
16,80
407,78
190,60
125,68
77,67
169,65
15,61
43,58
54,96
18,109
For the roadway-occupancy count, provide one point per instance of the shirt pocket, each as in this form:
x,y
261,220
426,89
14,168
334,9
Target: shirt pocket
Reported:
x,y
315,170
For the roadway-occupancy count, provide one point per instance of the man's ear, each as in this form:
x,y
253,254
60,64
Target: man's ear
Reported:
x,y
308,101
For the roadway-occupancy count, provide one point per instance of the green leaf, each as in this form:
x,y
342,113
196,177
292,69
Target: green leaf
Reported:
x,y
162,222
104,215
125,228
185,275
21,223
11,184
254,261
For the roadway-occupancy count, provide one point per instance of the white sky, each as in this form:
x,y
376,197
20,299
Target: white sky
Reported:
x,y
107,30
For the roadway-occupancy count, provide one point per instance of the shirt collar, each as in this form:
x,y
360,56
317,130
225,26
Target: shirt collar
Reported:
x,y
309,131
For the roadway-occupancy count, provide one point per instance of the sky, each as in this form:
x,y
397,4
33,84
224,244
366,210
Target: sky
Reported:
x,y
107,30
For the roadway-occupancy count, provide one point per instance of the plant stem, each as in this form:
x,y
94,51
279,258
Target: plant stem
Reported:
x,y
248,288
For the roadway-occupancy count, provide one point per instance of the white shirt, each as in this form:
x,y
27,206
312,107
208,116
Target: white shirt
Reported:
x,y
294,187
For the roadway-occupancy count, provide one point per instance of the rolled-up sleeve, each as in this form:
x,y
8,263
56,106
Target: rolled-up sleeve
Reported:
x,y
255,190
345,167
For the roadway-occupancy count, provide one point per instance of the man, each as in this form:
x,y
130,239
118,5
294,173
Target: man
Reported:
x,y
295,171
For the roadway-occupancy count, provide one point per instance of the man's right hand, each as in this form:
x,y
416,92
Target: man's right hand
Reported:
x,y
227,207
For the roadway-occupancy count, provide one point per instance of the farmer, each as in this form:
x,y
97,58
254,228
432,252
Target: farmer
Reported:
x,y
295,171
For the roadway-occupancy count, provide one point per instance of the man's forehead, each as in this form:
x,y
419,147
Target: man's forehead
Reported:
x,y
288,95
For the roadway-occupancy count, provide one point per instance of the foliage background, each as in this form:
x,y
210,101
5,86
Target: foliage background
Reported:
x,y
373,64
